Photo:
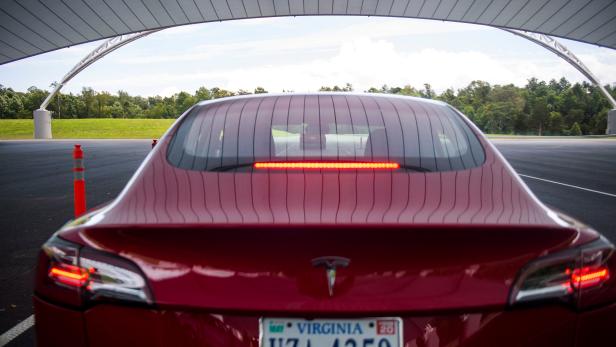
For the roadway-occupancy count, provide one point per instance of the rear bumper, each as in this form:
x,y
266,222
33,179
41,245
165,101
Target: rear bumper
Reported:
x,y
113,325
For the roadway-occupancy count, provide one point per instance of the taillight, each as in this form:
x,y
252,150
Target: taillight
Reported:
x,y
70,275
581,276
588,277
112,277
74,275
325,165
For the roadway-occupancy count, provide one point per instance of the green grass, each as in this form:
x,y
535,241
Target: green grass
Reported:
x,y
282,133
109,128
96,128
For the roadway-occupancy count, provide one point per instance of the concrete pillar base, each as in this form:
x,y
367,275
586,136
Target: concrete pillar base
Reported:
x,y
42,124
611,122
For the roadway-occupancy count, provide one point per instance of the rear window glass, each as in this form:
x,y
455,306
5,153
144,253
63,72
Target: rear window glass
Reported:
x,y
233,134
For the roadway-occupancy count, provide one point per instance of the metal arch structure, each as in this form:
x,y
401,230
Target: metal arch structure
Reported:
x,y
42,117
105,48
559,49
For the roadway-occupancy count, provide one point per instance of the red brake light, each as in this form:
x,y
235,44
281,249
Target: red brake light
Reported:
x,y
326,165
74,275
587,277
69,275
580,276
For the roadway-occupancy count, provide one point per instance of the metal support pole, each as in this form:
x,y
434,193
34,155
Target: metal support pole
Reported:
x,y
105,48
559,49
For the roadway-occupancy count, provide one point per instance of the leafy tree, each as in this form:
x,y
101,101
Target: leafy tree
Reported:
x,y
475,94
72,106
499,117
427,92
575,130
4,106
555,123
88,95
116,110
547,108
203,94
598,123
14,105
102,100
408,90
449,96
539,113
134,111
348,87
183,101
34,98
220,93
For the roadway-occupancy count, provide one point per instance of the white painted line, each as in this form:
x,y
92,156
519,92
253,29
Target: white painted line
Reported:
x,y
570,185
17,330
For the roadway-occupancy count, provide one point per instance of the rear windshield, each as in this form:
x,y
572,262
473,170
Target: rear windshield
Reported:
x,y
233,134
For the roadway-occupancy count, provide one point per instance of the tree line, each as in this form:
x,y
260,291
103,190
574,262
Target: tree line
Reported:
x,y
557,107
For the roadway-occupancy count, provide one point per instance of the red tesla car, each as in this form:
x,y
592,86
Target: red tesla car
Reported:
x,y
330,220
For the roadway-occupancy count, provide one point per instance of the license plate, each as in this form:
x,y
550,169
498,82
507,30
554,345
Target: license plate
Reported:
x,y
364,332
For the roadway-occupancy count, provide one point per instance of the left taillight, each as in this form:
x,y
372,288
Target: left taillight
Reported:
x,y
584,276
76,276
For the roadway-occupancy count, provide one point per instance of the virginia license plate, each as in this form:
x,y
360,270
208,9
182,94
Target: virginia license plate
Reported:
x,y
364,332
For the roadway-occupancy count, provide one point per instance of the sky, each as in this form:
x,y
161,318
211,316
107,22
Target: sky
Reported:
x,y
305,53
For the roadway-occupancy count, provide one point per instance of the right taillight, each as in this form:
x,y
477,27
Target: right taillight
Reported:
x,y
74,275
582,276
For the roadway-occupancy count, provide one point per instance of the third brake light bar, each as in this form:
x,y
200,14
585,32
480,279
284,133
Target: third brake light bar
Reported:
x,y
326,165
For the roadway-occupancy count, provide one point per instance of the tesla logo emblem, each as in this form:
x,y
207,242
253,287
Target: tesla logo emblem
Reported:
x,y
331,264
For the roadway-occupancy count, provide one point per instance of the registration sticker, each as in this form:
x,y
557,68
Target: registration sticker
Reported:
x,y
362,332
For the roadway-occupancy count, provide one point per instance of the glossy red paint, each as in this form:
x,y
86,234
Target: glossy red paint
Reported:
x,y
57,325
400,269
221,249
162,194
110,325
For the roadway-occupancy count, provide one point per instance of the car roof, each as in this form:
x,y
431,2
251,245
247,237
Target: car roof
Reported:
x,y
358,94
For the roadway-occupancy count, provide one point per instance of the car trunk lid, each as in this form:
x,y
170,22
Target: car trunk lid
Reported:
x,y
391,268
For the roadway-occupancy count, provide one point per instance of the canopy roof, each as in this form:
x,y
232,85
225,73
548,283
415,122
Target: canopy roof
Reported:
x,y
30,27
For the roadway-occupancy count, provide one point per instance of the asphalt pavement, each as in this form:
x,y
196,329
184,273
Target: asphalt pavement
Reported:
x,y
36,195
586,163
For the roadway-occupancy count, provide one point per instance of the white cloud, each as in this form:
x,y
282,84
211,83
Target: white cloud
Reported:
x,y
370,63
164,58
366,63
602,64
323,39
